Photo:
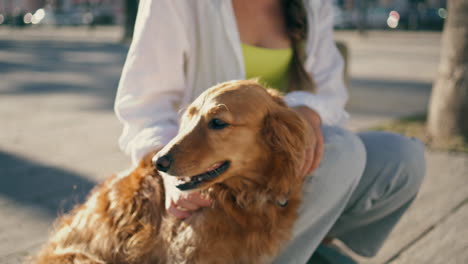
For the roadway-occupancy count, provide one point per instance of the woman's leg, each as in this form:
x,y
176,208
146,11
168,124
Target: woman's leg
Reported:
x,y
326,193
394,172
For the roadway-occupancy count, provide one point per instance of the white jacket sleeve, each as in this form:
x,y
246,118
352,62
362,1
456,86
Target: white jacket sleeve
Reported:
x,y
325,64
153,79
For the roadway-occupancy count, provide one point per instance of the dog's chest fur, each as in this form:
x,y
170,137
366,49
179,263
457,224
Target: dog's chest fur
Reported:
x,y
180,243
189,244
215,236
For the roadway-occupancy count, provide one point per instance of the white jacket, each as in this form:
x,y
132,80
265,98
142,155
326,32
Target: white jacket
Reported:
x,y
182,47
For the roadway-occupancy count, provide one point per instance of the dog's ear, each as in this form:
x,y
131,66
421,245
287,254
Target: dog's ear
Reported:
x,y
284,133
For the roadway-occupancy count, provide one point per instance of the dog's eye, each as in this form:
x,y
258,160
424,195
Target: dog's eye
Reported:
x,y
217,124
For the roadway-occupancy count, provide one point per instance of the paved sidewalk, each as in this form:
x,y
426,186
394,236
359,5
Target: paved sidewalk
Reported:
x,y
59,134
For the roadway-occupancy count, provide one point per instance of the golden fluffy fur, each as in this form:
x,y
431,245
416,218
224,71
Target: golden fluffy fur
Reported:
x,y
255,200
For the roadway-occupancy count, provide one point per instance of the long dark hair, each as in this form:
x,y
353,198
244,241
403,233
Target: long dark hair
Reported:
x,y
297,26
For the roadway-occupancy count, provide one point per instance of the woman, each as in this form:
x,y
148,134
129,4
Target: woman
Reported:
x,y
361,184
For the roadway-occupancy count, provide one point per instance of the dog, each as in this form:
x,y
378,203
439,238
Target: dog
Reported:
x,y
240,145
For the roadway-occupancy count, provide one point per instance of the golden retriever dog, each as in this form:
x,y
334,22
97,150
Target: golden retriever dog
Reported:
x,y
240,145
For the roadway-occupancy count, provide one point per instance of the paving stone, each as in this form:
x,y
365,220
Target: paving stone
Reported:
x,y
446,243
22,226
444,189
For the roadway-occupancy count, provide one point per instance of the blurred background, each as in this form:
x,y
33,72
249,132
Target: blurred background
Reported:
x,y
349,14
60,63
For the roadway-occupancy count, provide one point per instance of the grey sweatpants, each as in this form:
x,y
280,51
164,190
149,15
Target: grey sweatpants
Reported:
x,y
365,182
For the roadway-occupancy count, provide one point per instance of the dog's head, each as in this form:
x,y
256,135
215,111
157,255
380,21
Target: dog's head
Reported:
x,y
236,131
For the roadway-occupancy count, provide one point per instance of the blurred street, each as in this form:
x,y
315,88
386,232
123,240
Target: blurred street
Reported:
x,y
59,133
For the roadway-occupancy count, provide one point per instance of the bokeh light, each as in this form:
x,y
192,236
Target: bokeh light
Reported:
x,y
27,19
38,16
393,19
442,12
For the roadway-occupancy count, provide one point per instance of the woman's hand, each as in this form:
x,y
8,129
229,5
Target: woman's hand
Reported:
x,y
314,152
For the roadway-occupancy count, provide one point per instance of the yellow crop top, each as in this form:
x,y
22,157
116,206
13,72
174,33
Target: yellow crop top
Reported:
x,y
269,65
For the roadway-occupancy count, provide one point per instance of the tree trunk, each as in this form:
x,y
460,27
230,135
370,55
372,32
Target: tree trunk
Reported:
x,y
131,8
448,109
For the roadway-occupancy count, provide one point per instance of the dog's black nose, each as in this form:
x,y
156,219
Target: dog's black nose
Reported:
x,y
164,163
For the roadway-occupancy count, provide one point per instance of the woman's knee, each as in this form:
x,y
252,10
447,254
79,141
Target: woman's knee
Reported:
x,y
404,154
345,149
412,161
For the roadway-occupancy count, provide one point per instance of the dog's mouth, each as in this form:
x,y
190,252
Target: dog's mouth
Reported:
x,y
189,183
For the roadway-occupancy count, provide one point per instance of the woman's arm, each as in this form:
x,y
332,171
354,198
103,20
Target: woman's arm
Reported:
x,y
153,79
325,64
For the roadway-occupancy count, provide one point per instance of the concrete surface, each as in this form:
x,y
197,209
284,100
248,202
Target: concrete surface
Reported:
x,y
59,135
